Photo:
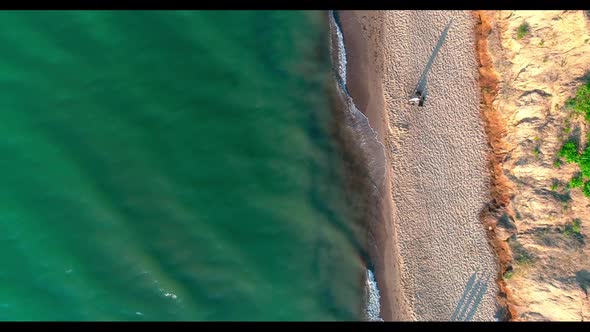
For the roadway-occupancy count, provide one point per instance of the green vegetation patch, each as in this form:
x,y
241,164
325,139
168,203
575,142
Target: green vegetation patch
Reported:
x,y
508,274
523,30
584,162
576,181
555,184
574,229
521,255
581,102
569,151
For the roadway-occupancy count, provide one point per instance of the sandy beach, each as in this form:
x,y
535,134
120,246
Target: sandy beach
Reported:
x,y
432,258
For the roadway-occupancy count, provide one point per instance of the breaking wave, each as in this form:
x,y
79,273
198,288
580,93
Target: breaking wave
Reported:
x,y
372,294
372,149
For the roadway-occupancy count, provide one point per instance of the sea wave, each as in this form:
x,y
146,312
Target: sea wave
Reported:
x,y
370,145
372,293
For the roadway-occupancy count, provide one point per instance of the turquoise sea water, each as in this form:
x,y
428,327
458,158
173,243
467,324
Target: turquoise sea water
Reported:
x,y
172,166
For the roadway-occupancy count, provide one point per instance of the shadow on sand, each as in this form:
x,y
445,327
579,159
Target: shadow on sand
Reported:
x,y
421,87
583,279
475,289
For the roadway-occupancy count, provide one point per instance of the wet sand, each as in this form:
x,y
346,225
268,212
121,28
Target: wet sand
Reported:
x,y
431,257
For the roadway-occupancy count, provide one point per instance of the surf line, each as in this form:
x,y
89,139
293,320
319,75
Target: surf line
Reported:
x,y
370,145
359,119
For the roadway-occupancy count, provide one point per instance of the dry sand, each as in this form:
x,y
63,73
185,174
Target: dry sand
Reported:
x,y
434,241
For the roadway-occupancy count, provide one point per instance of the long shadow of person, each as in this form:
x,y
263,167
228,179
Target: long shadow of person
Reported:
x,y
473,293
421,86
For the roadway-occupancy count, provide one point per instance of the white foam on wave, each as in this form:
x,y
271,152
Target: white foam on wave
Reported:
x,y
370,146
341,51
373,304
367,137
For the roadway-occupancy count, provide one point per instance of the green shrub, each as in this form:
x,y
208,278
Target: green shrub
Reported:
x,y
584,162
520,254
571,103
557,163
577,226
524,258
523,30
569,151
576,181
508,274
581,102
574,228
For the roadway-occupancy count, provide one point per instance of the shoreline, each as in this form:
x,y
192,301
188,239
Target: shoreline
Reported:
x,y
370,185
436,164
367,93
